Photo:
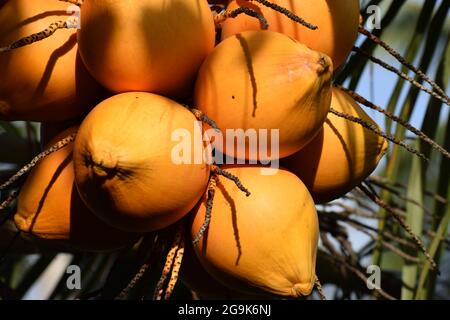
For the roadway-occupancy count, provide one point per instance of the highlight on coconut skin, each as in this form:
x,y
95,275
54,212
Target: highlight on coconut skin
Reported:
x,y
264,150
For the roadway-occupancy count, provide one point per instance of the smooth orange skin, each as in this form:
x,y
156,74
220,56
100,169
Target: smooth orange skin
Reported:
x,y
44,81
50,208
123,162
265,80
266,242
146,45
337,22
341,156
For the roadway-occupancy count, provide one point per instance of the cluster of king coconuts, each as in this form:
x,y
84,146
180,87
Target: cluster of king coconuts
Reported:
x,y
121,82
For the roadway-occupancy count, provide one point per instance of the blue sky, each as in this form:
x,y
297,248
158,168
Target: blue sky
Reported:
x,y
384,81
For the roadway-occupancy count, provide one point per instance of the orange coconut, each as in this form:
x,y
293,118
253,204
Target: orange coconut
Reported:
x,y
44,81
146,45
337,22
196,278
264,242
265,81
341,156
49,206
130,161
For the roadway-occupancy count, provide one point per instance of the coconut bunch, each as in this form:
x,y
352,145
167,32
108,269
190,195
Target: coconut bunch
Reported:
x,y
135,104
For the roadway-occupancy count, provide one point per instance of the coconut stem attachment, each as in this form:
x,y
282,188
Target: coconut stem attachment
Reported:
x,y
35,37
105,167
225,14
374,128
372,196
287,13
402,60
399,120
210,197
59,145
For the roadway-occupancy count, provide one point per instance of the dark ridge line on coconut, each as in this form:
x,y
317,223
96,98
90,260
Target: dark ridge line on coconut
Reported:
x,y
372,196
59,145
177,241
209,204
388,67
225,14
399,120
374,128
35,37
287,13
402,60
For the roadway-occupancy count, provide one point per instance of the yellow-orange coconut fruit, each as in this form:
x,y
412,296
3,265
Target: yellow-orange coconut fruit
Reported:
x,y
139,161
49,206
337,22
266,82
44,81
146,45
341,156
267,241
196,278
